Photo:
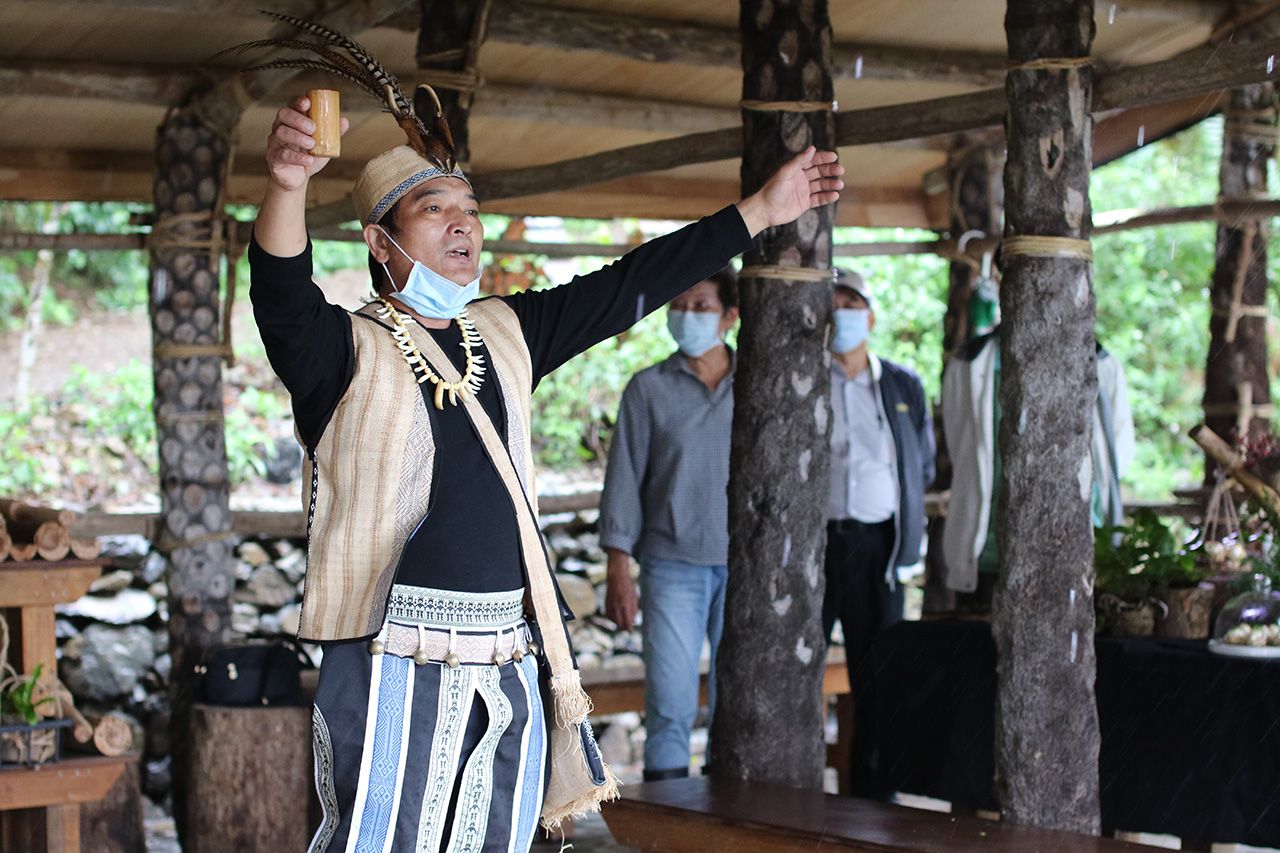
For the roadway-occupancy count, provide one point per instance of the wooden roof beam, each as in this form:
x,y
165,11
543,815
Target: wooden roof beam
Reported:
x,y
221,106
643,39
169,85
655,40
1110,222
1219,67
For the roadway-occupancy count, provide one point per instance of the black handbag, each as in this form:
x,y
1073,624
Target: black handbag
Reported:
x,y
253,674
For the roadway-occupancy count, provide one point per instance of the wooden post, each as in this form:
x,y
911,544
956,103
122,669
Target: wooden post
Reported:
x,y
769,707
976,204
449,40
187,361
1047,736
1237,395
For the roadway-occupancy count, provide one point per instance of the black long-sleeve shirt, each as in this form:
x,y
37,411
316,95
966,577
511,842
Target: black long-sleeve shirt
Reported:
x,y
468,540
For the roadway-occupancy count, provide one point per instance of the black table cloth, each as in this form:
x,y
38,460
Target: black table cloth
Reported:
x,y
1190,740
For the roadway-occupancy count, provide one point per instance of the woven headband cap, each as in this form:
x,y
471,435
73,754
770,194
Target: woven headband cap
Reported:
x,y
387,177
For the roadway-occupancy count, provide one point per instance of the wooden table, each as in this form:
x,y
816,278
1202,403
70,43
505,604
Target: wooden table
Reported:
x,y
40,806
700,814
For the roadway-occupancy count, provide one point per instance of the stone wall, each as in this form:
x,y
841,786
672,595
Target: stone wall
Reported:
x,y
113,646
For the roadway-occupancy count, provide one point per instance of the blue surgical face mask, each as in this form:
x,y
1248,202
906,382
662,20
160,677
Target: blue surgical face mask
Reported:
x,y
431,294
852,325
695,332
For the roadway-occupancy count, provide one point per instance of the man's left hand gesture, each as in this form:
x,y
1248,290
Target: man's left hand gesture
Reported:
x,y
810,179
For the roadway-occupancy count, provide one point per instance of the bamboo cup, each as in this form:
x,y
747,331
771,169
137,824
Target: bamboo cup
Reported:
x,y
324,112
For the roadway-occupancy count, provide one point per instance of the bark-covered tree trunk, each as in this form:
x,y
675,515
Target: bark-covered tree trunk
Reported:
x,y
187,364
1046,718
449,40
976,204
29,343
768,723
1236,368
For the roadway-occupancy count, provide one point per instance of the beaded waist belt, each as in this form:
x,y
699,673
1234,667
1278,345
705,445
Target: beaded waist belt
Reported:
x,y
441,608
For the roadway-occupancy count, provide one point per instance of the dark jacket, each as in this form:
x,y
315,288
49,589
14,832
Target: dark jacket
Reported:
x,y
907,412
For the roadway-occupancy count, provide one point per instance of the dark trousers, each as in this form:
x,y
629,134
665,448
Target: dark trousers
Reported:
x,y
857,593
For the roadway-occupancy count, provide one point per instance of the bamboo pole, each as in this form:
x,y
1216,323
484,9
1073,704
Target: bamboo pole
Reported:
x,y
1232,463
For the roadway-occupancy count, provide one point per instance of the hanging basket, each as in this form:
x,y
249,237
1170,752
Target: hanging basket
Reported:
x,y
1222,551
21,744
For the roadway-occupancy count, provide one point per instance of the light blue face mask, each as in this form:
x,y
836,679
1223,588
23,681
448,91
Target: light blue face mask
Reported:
x,y
695,332
852,325
431,294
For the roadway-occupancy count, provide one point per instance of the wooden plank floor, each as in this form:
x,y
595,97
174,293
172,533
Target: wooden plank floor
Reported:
x,y
700,814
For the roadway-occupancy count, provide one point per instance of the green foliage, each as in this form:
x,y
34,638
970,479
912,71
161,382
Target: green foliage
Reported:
x,y
1142,558
574,408
97,435
910,294
248,431
79,281
1152,308
96,428
1152,291
16,701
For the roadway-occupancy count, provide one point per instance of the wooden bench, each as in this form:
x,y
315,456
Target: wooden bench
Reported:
x,y
621,689
700,814
613,691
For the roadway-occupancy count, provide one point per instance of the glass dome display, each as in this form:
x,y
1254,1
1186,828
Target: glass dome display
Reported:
x,y
1249,624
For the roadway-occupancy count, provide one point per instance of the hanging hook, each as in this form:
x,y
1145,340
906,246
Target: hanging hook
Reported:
x,y
964,241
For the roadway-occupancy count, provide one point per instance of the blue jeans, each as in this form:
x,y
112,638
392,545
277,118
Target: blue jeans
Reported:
x,y
681,604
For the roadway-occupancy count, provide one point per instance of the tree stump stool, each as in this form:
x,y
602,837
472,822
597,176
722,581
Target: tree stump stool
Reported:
x,y
250,771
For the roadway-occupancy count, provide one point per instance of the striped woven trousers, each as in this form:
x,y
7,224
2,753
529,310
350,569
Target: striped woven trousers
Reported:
x,y
427,757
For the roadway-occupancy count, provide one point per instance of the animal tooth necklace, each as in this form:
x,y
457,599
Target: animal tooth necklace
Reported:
x,y
468,385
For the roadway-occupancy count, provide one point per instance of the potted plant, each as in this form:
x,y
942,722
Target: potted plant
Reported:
x,y
1148,581
26,738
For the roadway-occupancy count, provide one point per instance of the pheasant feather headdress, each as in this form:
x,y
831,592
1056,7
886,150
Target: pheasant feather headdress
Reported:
x,y
387,177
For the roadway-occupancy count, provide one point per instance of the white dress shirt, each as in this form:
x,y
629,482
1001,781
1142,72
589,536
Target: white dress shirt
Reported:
x,y
864,479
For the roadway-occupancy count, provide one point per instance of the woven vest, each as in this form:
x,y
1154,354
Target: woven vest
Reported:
x,y
370,474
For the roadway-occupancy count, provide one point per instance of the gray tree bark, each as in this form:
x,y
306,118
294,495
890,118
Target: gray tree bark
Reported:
x,y
1236,375
1046,718
768,723
194,488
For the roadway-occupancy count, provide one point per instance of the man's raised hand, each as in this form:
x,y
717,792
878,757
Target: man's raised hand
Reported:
x,y
289,162
810,179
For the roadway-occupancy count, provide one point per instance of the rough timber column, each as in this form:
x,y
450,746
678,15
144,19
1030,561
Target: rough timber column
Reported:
x,y
769,706
1046,720
976,204
449,40
1236,383
187,363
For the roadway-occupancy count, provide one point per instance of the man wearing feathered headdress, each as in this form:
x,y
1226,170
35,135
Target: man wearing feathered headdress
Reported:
x,y
426,574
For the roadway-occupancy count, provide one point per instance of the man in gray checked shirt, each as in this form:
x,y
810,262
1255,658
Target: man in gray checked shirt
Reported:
x,y
665,502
